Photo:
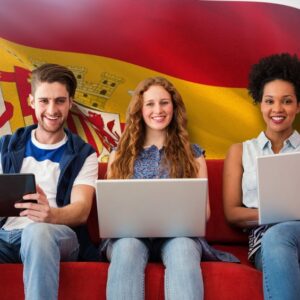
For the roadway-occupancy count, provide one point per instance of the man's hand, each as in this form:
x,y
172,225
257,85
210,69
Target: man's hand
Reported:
x,y
38,212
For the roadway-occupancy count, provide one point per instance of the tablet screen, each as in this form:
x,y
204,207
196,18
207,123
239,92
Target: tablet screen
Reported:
x,y
12,189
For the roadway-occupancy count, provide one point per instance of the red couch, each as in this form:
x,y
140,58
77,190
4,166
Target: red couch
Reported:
x,y
226,281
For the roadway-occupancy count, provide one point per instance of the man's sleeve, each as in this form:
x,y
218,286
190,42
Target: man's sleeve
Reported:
x,y
89,171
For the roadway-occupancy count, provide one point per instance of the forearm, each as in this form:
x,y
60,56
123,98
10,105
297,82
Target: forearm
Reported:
x,y
71,215
242,216
78,210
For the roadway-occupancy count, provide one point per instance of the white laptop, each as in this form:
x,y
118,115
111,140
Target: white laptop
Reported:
x,y
278,187
151,207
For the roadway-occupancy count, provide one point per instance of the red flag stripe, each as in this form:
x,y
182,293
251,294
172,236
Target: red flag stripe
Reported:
x,y
207,42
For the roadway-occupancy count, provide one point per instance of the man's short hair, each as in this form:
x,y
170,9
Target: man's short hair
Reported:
x,y
54,73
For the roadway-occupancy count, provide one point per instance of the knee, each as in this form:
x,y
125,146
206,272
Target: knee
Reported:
x,y
130,245
278,237
182,249
180,245
37,235
126,250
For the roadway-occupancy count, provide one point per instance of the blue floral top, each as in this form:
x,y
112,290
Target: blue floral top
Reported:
x,y
148,164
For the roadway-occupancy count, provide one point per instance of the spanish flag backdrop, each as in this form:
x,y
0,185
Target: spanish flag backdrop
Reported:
x,y
205,48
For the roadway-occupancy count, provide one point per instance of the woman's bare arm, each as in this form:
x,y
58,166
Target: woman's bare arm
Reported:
x,y
234,210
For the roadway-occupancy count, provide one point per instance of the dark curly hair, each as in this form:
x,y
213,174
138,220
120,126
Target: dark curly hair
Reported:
x,y
277,66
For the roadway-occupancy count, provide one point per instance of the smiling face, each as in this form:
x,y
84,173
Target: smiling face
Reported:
x,y
51,103
279,107
157,108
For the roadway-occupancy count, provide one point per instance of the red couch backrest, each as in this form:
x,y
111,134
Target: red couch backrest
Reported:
x,y
218,230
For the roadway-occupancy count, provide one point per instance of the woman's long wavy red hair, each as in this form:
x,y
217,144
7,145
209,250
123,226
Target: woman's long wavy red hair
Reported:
x,y
178,158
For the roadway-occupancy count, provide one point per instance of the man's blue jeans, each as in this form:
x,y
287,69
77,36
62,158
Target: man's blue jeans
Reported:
x,y
279,261
40,247
129,256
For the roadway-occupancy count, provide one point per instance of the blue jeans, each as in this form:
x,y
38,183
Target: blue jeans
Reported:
x,y
128,259
40,247
279,261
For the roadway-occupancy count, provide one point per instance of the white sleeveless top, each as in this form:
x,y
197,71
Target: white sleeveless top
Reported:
x,y
259,146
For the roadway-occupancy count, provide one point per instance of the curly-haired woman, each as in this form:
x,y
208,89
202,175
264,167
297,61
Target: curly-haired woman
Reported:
x,y
274,84
155,144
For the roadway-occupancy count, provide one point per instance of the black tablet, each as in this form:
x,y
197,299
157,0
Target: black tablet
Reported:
x,y
12,189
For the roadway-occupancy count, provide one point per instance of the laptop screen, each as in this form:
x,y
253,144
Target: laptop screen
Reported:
x,y
278,187
151,208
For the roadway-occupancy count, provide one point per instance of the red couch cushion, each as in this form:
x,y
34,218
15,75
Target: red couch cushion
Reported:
x,y
85,280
